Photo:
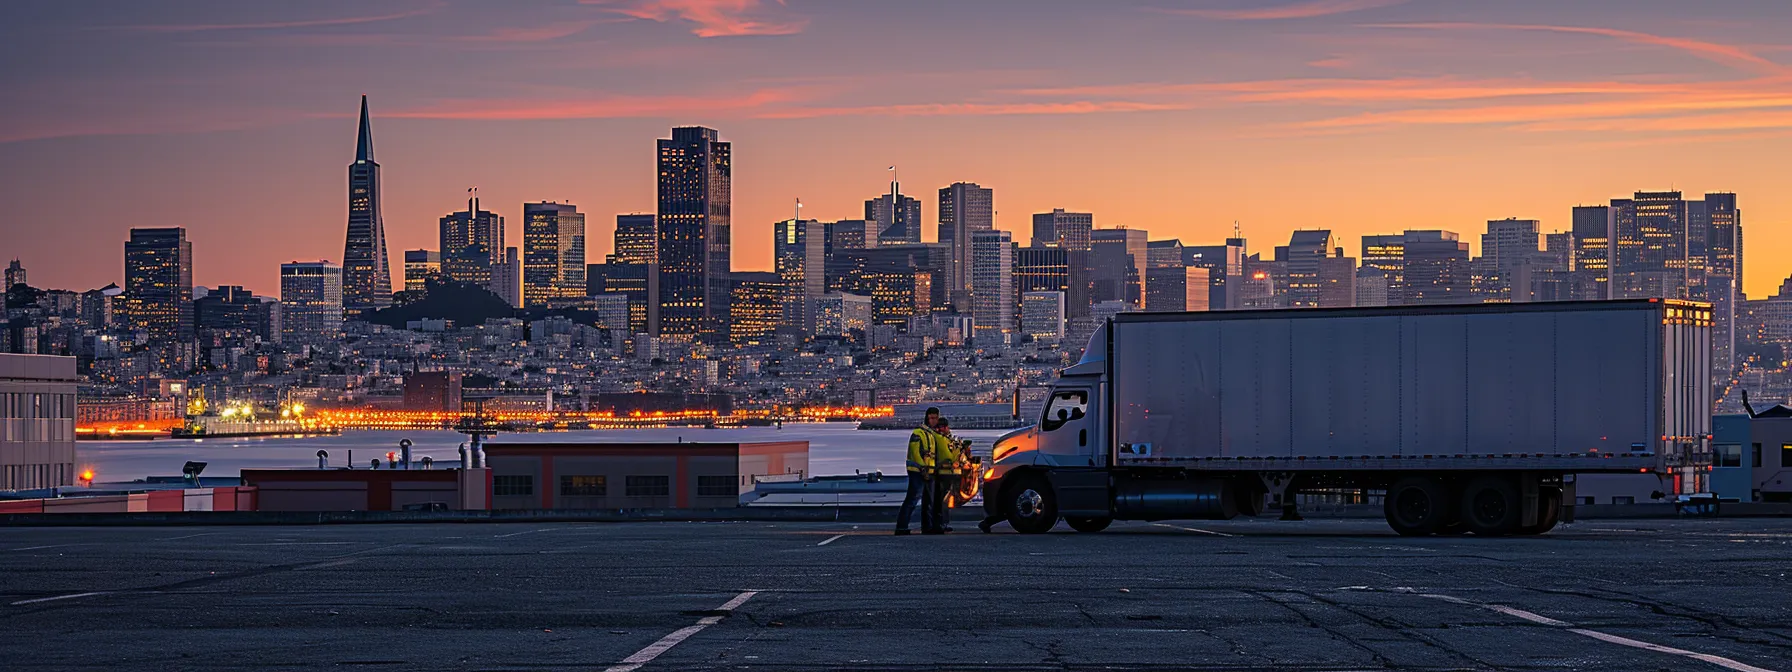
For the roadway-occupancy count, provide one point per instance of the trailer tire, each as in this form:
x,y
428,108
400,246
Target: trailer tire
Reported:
x,y
1549,511
1031,505
1417,506
1491,506
1090,525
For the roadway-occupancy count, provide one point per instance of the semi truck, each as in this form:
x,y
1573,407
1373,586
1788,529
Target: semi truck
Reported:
x,y
1465,418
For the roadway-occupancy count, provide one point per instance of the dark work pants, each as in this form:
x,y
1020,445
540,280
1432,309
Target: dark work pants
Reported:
x,y
943,487
918,491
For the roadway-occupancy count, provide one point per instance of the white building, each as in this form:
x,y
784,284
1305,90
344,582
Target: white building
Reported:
x,y
992,285
310,303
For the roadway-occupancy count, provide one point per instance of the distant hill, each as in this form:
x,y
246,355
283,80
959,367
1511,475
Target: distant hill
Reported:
x,y
464,305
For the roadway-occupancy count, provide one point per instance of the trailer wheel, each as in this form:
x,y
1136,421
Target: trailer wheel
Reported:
x,y
1491,506
1091,525
1417,506
1549,511
1031,505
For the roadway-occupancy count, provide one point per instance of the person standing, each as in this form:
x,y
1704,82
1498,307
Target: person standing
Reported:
x,y
920,474
945,477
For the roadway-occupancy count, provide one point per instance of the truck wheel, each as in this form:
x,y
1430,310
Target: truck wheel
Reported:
x,y
1549,511
1491,506
1081,524
1031,504
1416,506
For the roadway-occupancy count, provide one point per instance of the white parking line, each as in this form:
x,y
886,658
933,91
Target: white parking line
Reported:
x,y
58,597
1194,529
645,656
514,534
39,548
190,536
831,540
1719,661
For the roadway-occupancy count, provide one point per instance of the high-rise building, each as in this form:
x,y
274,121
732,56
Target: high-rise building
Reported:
x,y
553,253
965,209
1337,280
848,270
1436,268
366,275
1117,264
471,243
839,315
613,311
1723,285
1225,266
421,266
897,218
755,307
799,255
37,450
1510,243
636,241
158,284
1651,246
695,182
992,285
15,275
1165,254
1176,289
233,310
1305,253
1055,269
1042,316
634,267
311,309
1592,232
507,278
1069,230
436,391
1388,253
897,295
1371,287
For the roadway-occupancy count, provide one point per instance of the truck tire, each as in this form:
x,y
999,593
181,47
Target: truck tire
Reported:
x,y
1491,506
1031,504
1091,525
1549,511
1417,506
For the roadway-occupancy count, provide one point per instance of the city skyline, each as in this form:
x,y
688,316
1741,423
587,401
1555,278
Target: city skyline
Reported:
x,y
1382,110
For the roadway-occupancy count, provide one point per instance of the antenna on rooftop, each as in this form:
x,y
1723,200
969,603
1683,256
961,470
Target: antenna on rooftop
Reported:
x,y
1236,230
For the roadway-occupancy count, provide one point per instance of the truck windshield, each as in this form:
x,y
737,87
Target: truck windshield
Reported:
x,y
1064,408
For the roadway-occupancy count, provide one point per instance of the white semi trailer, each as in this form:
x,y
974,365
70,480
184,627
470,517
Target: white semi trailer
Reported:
x,y
1471,418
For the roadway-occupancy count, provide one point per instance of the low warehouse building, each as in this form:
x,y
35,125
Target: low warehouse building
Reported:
x,y
635,475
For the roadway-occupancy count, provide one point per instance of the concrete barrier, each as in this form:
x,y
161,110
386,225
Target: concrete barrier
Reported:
x,y
743,514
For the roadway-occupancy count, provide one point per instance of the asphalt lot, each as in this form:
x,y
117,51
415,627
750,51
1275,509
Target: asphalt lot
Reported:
x,y
1260,595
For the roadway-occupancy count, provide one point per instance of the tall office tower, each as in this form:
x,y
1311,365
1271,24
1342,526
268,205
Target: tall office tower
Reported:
x,y
158,284
230,313
897,218
799,255
1165,254
1225,266
1371,287
755,307
695,183
366,275
1042,316
839,315
1117,264
1305,251
507,278
553,253
311,309
471,242
1509,243
1651,246
1388,253
1592,232
851,234
897,295
634,267
1176,289
848,270
612,311
965,209
421,266
1337,280
1558,252
1055,269
1436,268
1069,230
1723,286
15,275
992,286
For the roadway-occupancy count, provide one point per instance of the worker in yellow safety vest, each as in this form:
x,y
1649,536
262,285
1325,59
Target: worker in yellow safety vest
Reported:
x,y
921,444
945,476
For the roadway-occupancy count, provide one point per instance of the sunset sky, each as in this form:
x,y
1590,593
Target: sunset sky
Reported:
x,y
236,119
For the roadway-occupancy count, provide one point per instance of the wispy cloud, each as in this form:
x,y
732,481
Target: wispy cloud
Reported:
x,y
605,106
975,109
547,33
1727,54
1298,10
275,25
714,18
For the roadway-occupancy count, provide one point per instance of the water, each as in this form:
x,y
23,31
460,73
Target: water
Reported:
x,y
834,448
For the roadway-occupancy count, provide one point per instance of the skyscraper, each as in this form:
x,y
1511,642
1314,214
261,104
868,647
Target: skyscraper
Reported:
x,y
1724,276
366,277
1650,246
421,266
755,307
992,285
1225,266
897,217
15,275
1069,230
1435,265
507,278
965,208
553,253
471,242
1042,316
695,178
1592,232
1388,253
311,296
799,255
1054,269
1304,254
158,284
1117,264
1509,243
1176,289
634,268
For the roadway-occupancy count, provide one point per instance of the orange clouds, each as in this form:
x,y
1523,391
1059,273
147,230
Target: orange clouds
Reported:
x,y
714,18
1299,10
1726,54
272,25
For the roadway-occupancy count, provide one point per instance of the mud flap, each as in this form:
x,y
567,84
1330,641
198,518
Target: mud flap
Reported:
x,y
1083,492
